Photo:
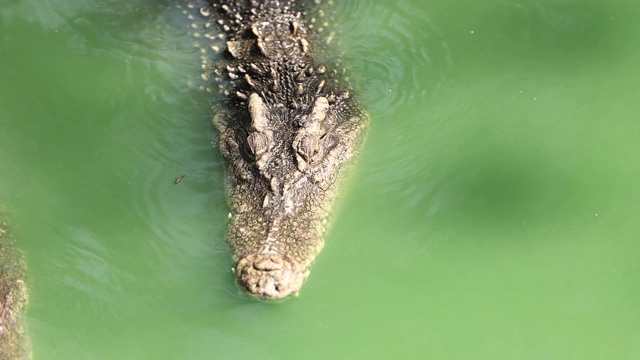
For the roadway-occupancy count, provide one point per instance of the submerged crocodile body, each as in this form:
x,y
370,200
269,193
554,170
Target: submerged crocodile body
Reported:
x,y
13,299
287,127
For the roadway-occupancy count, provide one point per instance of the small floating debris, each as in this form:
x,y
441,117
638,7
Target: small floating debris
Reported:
x,y
179,179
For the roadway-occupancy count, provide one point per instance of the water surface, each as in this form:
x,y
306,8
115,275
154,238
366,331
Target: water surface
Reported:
x,y
491,215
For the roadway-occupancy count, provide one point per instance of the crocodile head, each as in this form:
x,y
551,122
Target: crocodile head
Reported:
x,y
270,276
286,129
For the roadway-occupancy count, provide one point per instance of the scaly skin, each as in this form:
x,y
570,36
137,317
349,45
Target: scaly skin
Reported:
x,y
286,129
14,344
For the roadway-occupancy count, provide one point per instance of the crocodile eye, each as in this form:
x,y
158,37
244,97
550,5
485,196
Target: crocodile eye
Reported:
x,y
314,148
310,144
258,143
329,142
309,147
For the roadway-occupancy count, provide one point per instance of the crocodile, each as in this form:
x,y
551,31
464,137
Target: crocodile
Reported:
x,y
287,127
14,343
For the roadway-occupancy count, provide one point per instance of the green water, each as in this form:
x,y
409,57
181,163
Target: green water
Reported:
x,y
491,216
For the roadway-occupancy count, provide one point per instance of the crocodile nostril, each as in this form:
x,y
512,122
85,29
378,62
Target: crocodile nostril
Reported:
x,y
268,263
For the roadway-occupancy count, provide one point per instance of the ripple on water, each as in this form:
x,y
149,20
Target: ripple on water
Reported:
x,y
168,143
389,56
402,61
161,129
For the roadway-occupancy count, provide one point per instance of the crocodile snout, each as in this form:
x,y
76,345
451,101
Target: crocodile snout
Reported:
x,y
270,276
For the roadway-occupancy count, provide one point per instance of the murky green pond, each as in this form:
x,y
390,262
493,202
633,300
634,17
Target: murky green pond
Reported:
x,y
492,215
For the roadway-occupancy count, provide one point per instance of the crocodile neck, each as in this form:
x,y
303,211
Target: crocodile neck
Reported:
x,y
269,50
